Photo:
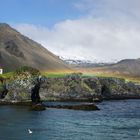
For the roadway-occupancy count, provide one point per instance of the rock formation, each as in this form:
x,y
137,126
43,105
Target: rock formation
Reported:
x,y
35,97
26,87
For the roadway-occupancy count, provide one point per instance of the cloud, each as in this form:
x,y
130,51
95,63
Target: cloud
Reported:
x,y
110,31
110,8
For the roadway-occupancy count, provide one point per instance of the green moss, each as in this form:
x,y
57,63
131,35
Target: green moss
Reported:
x,y
37,107
85,86
31,70
1,87
10,96
54,75
23,96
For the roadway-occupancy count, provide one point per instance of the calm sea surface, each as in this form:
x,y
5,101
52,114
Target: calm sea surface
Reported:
x,y
117,120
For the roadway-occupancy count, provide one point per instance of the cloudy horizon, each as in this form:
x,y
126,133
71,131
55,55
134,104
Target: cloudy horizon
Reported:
x,y
103,30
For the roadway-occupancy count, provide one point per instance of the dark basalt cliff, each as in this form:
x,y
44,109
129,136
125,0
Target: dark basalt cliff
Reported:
x,y
89,89
71,88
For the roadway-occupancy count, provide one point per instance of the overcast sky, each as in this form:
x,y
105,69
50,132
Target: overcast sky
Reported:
x,y
104,30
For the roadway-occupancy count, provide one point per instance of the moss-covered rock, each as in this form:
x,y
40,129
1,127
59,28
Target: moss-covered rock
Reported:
x,y
25,69
72,87
85,107
37,107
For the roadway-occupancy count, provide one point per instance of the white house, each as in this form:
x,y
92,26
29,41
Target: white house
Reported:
x,y
1,71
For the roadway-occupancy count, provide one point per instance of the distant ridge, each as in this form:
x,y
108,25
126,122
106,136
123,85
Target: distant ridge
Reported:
x,y
126,66
17,50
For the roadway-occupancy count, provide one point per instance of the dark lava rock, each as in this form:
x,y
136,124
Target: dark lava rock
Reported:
x,y
97,100
86,107
37,107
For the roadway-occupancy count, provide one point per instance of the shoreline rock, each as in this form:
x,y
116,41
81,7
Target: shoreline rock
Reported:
x,y
17,103
37,107
85,107
41,107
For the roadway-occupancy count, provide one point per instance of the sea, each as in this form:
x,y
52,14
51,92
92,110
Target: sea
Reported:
x,y
116,120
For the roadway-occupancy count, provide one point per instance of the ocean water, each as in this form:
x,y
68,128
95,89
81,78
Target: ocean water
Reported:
x,y
117,120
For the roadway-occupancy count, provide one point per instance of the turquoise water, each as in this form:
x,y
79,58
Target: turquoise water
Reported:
x,y
117,120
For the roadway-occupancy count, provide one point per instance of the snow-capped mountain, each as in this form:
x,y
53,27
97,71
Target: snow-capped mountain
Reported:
x,y
85,63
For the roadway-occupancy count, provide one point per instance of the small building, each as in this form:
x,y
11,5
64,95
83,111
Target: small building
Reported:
x,y
1,70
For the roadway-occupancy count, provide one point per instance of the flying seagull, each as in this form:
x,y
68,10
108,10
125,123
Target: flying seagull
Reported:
x,y
30,132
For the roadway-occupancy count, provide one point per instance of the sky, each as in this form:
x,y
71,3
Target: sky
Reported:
x,y
101,30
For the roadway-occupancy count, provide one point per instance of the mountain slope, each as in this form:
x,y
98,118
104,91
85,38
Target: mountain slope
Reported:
x,y
127,66
128,69
17,50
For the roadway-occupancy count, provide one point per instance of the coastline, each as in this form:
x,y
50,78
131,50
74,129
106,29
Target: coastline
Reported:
x,y
29,103
80,105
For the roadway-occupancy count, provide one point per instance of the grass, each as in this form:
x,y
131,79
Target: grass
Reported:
x,y
54,75
7,75
99,72
128,78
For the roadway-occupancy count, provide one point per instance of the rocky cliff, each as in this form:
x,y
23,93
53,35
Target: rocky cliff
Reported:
x,y
76,88
72,87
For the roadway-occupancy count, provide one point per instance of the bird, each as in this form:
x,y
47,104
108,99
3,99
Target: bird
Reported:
x,y
30,132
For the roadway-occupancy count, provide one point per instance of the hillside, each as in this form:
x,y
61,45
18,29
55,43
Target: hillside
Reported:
x,y
127,66
17,50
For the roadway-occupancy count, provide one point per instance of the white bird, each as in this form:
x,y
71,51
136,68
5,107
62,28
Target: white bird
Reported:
x,y
30,132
